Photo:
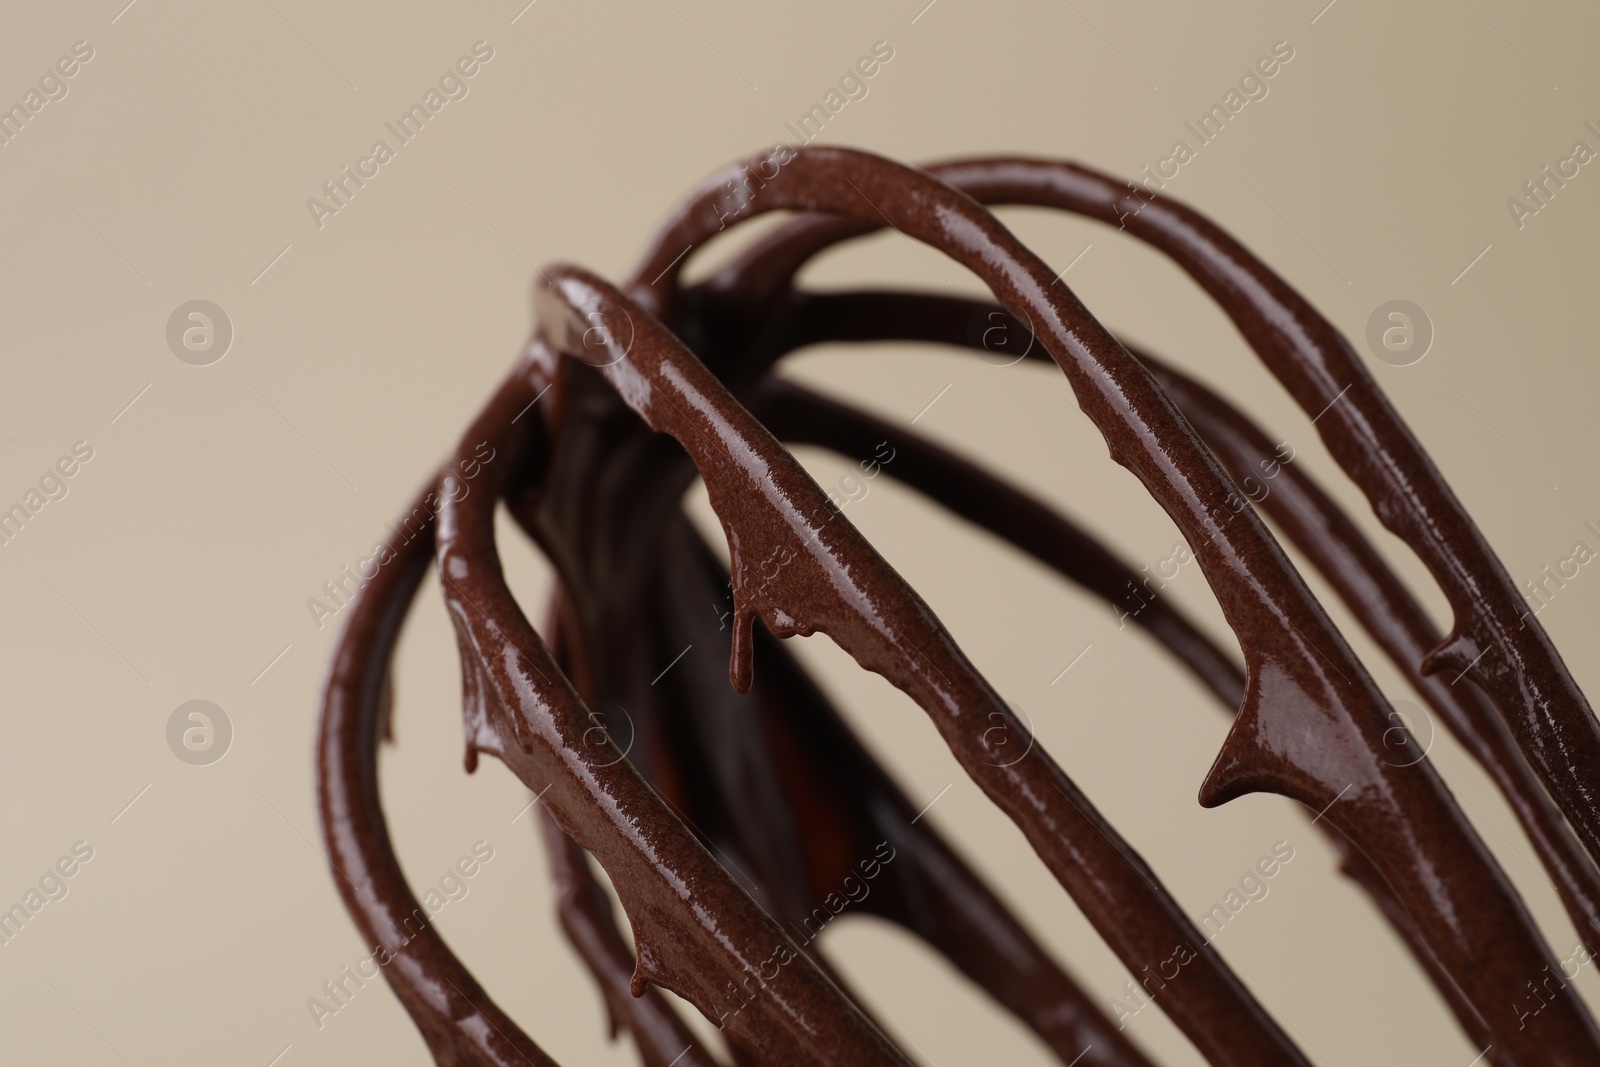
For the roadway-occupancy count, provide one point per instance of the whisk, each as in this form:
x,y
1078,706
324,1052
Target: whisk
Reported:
x,y
735,820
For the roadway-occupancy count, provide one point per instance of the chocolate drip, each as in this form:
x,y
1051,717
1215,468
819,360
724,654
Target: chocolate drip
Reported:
x,y
1394,618
728,818
585,912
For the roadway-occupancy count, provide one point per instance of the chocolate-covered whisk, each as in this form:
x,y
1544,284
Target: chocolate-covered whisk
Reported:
x,y
740,816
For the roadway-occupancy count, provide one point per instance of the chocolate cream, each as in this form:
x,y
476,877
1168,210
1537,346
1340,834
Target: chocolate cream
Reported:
x,y
735,820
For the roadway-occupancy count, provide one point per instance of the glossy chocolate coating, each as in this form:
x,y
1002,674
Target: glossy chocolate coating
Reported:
x,y
734,813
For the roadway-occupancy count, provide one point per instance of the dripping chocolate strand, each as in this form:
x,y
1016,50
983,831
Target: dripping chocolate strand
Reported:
x,y
584,909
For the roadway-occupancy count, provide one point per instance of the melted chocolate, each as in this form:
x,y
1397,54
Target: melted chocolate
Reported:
x,y
735,821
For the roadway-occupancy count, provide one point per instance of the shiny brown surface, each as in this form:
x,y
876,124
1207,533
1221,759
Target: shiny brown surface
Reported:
x,y
733,816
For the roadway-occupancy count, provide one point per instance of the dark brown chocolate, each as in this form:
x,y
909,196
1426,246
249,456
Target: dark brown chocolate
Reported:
x,y
735,823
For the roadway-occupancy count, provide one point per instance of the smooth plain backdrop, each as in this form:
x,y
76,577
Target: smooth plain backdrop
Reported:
x,y
177,166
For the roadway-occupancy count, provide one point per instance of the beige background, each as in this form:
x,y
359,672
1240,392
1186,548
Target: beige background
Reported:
x,y
179,565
